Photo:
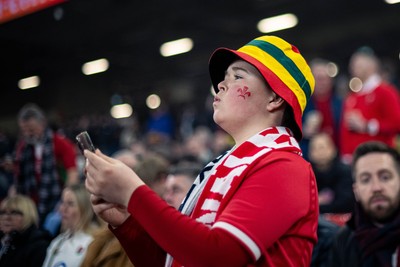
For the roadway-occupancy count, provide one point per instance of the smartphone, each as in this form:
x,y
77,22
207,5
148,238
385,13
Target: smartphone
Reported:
x,y
84,142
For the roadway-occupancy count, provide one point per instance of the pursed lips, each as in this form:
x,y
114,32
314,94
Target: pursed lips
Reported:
x,y
216,99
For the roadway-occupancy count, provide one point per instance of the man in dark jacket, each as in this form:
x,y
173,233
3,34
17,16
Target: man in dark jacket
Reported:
x,y
372,236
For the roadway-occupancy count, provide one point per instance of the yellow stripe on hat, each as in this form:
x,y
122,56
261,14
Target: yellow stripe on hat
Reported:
x,y
288,65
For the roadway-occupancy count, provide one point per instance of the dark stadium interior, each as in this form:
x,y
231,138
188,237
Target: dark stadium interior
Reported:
x,y
54,43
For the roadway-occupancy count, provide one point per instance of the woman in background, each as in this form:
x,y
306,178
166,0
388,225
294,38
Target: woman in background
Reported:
x,y
22,242
69,248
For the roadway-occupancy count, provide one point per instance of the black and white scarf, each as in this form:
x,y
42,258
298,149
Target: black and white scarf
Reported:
x,y
38,178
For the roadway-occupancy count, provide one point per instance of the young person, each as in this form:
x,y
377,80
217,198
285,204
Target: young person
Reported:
x,y
255,205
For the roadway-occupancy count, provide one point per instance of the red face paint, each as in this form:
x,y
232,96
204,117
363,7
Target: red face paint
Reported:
x,y
243,92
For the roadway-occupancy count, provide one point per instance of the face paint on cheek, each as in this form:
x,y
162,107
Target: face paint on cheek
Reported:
x,y
243,92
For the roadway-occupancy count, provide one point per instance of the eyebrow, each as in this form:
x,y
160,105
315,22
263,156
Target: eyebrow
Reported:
x,y
237,69
240,68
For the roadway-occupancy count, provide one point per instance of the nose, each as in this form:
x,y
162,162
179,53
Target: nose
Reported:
x,y
376,185
168,197
221,86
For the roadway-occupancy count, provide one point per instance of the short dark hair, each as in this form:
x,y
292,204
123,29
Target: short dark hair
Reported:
x,y
375,147
288,121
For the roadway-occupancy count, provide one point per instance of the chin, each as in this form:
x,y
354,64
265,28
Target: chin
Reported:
x,y
383,214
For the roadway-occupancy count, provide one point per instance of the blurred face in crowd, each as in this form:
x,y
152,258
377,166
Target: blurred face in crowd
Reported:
x,y
362,66
69,210
322,149
377,185
11,220
176,188
32,130
323,82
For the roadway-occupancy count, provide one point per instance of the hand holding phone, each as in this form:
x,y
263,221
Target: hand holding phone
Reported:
x,y
84,142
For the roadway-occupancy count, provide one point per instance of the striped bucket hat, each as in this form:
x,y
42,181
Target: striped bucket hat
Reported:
x,y
281,65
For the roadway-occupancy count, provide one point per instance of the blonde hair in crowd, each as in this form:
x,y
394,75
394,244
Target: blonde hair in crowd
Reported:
x,y
26,206
88,221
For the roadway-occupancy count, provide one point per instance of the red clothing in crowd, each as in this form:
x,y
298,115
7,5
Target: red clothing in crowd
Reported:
x,y
380,106
282,226
65,153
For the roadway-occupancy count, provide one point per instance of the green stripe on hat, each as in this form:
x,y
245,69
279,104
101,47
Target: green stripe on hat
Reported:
x,y
286,62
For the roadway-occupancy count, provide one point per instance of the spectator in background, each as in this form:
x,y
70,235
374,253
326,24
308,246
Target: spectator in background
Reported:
x,y
44,161
6,164
326,233
198,144
179,181
221,142
372,236
154,170
22,242
323,111
372,110
333,177
78,224
159,126
127,156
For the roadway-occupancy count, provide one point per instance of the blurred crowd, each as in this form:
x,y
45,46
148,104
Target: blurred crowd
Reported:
x,y
46,217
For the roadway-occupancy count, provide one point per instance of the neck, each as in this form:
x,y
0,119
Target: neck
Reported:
x,y
243,136
241,133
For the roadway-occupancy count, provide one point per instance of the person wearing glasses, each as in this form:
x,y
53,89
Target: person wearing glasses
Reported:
x,y
22,242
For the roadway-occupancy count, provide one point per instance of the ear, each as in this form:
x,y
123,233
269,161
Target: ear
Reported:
x,y
275,102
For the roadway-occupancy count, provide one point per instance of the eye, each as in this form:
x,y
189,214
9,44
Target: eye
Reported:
x,y
237,77
364,179
385,177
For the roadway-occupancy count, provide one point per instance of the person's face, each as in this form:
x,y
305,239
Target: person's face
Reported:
x,y
32,130
322,149
176,188
323,82
11,220
242,96
69,210
361,66
377,185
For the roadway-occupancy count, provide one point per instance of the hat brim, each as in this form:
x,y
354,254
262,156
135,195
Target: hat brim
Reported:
x,y
219,63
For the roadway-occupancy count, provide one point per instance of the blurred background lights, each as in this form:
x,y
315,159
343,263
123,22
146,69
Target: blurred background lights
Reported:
x,y
153,101
176,47
392,1
355,84
333,69
121,111
96,66
29,82
277,23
